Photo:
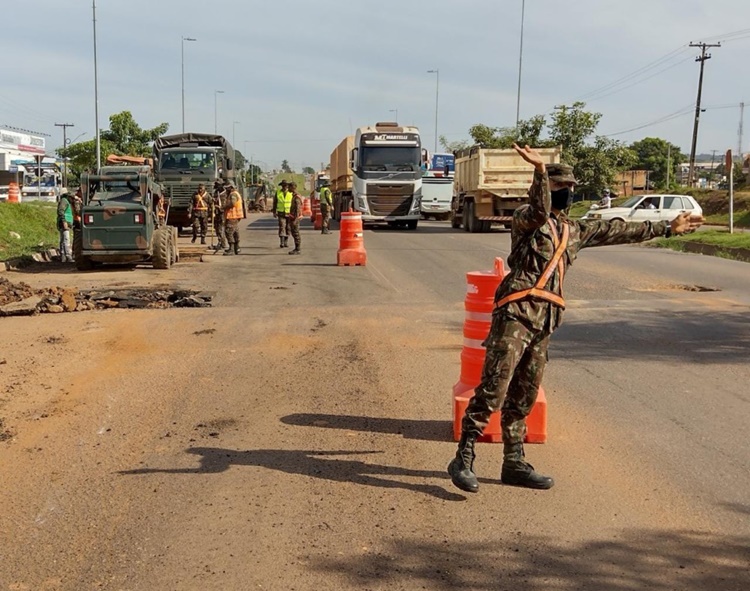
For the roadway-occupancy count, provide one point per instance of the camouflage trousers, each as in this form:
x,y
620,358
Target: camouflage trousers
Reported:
x,y
293,226
232,233
512,372
200,223
325,214
283,224
219,228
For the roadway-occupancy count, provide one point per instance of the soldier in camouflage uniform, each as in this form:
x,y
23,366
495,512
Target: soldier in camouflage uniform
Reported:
x,y
233,213
326,207
295,215
198,209
528,308
217,203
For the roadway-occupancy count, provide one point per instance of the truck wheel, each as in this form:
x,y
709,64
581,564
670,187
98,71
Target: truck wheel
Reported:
x,y
473,224
162,251
83,263
485,226
412,224
465,217
455,220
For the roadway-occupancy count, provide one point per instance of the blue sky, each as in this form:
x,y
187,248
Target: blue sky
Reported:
x,y
297,76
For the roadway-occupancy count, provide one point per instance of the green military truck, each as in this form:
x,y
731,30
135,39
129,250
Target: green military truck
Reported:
x,y
186,160
123,220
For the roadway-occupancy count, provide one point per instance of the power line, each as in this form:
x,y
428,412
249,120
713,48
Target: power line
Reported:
x,y
680,113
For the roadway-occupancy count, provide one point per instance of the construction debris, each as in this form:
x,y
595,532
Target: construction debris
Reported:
x,y
21,300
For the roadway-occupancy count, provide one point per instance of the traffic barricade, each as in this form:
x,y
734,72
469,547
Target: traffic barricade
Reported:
x,y
479,303
306,209
14,193
351,240
315,207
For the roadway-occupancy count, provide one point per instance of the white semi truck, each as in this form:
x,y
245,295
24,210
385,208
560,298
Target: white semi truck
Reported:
x,y
377,172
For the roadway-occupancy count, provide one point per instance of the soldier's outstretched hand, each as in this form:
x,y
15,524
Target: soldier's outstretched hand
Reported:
x,y
531,156
685,222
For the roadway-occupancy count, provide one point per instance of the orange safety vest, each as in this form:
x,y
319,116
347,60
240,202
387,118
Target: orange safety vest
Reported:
x,y
235,211
199,203
539,290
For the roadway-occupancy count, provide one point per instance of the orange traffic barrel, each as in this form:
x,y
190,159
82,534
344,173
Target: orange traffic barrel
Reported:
x,y
306,211
14,193
351,240
315,209
318,220
479,304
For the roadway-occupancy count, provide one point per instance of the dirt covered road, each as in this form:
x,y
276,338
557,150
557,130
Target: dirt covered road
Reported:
x,y
295,434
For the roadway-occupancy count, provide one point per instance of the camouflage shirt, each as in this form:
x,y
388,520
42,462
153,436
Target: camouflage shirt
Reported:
x,y
532,248
297,205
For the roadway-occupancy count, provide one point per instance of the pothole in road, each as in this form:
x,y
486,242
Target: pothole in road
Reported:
x,y
688,287
22,300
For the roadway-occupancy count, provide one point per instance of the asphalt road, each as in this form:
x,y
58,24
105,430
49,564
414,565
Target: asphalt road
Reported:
x,y
295,435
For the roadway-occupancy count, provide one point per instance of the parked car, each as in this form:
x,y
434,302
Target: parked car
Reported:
x,y
652,208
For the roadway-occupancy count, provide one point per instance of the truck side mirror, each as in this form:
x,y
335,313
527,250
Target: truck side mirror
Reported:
x,y
353,160
230,164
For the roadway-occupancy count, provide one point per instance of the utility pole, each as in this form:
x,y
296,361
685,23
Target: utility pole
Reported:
x,y
713,158
437,94
702,59
739,132
65,145
520,64
96,97
182,49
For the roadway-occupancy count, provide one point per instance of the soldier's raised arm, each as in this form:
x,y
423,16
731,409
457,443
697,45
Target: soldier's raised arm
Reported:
x,y
536,213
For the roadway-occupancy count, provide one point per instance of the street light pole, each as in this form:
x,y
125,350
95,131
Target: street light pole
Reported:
x,y
437,94
182,45
520,64
96,97
65,145
216,110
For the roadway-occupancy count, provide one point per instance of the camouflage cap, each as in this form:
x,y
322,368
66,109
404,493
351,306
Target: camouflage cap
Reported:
x,y
562,173
284,182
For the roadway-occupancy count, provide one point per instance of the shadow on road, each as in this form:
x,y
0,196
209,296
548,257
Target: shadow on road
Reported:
x,y
640,559
696,337
326,465
409,428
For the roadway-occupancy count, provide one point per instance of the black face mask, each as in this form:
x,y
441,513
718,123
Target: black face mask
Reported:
x,y
562,198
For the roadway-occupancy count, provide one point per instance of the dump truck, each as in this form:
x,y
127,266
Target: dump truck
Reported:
x,y
377,173
490,184
186,160
123,219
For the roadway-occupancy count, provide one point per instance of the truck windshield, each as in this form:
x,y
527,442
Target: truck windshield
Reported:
x,y
389,157
120,190
179,161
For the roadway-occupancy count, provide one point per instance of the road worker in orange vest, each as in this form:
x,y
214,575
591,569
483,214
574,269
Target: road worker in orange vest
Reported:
x,y
233,213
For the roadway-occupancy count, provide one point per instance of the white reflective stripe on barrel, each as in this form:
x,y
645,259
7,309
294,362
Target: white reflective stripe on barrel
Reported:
x,y
473,344
479,317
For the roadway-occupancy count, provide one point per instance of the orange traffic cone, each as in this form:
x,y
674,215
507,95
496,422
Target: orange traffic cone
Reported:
x,y
14,193
479,303
315,210
351,240
306,211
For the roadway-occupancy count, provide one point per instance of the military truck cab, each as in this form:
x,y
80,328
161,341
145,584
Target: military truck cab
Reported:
x,y
123,217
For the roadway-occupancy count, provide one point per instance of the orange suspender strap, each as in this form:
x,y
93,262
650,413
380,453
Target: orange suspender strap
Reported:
x,y
539,291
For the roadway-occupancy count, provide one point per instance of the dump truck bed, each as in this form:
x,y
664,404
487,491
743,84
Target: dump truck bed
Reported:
x,y
341,173
503,173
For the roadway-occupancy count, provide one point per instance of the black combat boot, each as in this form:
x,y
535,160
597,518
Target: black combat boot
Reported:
x,y
517,471
286,241
203,239
229,251
295,251
237,249
281,242
194,239
461,468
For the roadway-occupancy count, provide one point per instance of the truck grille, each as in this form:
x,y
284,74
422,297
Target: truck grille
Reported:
x,y
181,194
390,200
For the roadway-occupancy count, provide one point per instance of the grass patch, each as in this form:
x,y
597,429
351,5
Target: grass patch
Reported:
x,y
715,237
36,224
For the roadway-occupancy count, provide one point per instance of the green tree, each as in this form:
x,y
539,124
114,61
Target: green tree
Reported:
x,y
308,170
124,137
253,174
596,160
528,131
658,155
285,167
240,162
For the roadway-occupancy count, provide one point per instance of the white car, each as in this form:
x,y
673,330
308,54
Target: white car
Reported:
x,y
652,208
